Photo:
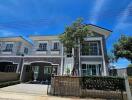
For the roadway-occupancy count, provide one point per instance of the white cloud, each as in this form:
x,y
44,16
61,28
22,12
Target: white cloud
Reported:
x,y
7,33
120,22
96,10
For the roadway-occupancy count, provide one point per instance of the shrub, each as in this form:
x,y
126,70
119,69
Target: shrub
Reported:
x,y
4,84
103,83
130,65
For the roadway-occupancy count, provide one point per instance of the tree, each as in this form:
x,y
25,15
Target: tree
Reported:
x,y
123,48
110,58
72,38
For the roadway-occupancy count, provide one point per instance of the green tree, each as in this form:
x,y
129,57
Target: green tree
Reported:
x,y
123,48
72,37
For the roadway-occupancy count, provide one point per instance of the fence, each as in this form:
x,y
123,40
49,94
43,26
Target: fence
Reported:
x,y
130,83
92,86
8,76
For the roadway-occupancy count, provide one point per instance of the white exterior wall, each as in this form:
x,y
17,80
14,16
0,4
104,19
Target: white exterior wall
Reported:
x,y
49,51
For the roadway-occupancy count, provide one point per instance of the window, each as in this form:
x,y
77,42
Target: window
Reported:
x,y
56,46
54,70
69,52
90,48
28,68
42,47
26,50
84,69
9,47
89,69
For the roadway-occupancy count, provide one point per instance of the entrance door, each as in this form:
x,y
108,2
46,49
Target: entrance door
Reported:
x,y
47,73
35,72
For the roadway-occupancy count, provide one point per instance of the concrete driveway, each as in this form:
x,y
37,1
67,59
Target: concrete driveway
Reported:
x,y
37,89
30,92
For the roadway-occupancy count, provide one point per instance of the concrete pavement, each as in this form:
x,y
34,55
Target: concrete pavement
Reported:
x,y
30,92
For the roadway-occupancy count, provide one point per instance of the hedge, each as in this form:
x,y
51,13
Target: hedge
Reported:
x,y
103,83
4,84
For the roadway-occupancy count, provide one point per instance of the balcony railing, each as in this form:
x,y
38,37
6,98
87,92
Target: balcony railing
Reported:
x,y
7,50
55,51
41,50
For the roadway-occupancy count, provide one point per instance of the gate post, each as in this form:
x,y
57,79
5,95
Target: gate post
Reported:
x,y
129,97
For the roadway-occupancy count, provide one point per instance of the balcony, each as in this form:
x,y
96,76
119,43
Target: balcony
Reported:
x,y
7,51
41,51
55,51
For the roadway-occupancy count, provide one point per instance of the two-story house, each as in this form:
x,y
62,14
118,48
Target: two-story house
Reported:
x,y
11,51
46,55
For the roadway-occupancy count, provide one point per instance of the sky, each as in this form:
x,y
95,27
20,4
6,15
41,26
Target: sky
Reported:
x,y
50,17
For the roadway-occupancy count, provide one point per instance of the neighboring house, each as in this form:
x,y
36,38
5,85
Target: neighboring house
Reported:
x,y
121,72
113,72
11,51
47,55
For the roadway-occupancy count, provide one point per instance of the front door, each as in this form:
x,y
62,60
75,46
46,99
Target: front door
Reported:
x,y
47,73
35,72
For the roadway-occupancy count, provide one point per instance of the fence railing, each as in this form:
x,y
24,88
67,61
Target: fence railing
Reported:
x,y
91,86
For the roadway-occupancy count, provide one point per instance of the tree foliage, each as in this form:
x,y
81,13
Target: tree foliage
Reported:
x,y
123,48
74,34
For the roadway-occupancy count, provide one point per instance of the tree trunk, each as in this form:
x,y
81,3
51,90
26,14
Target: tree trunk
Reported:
x,y
75,71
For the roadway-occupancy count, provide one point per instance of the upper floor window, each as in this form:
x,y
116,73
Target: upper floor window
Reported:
x,y
56,46
26,50
42,47
9,47
68,52
90,48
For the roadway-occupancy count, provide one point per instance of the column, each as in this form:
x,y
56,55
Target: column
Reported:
x,y
104,63
62,60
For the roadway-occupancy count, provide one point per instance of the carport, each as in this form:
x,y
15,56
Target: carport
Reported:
x,y
38,71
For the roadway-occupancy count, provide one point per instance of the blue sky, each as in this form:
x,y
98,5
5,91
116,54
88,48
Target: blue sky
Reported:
x,y
50,17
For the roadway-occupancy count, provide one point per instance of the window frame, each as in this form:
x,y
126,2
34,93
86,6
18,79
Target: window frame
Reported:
x,y
56,47
26,50
94,49
90,68
42,46
9,47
